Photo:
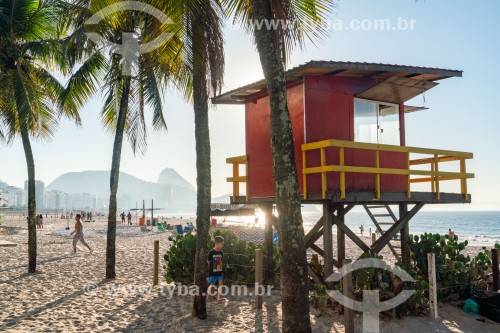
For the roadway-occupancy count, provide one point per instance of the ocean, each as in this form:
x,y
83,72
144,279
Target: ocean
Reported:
x,y
479,228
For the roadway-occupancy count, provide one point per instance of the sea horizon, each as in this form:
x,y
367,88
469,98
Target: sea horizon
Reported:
x,y
478,227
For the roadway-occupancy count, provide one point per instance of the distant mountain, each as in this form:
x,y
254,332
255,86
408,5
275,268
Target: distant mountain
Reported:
x,y
170,176
172,192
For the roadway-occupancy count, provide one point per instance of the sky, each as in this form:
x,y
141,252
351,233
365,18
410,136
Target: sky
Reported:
x,y
463,115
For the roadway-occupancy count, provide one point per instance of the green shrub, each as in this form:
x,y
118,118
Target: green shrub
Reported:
x,y
238,262
319,299
483,261
180,259
453,269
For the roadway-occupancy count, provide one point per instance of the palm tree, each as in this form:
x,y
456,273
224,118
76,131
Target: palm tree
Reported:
x,y
129,87
30,94
204,58
274,45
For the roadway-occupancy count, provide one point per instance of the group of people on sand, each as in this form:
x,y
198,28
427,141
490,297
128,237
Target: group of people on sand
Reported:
x,y
39,221
129,218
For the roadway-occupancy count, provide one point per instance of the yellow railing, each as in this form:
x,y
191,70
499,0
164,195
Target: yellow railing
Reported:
x,y
434,175
236,179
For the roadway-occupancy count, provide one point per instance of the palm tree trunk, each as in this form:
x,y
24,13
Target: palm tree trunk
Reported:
x,y
31,200
204,184
292,249
114,177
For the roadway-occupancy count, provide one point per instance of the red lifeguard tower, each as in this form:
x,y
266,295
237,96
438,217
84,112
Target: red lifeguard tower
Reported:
x,y
348,124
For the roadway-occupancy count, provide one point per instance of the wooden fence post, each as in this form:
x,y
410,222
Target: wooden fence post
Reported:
x,y
348,293
494,262
374,238
258,278
431,261
156,263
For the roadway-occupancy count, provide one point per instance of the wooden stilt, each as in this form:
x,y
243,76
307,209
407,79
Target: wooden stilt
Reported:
x,y
317,227
396,227
156,262
347,231
258,278
405,235
494,262
268,243
327,239
313,239
313,276
349,294
340,234
433,306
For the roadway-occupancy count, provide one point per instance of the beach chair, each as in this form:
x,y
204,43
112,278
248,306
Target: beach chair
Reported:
x,y
179,229
146,229
160,227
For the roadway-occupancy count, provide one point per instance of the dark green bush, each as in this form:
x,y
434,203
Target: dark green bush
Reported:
x,y
180,259
238,262
453,269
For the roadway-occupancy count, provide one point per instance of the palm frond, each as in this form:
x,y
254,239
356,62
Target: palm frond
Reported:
x,y
34,107
202,37
53,89
292,21
109,112
151,96
84,83
135,126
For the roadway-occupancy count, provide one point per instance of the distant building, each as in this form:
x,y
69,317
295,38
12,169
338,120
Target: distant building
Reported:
x,y
54,200
3,199
10,196
39,193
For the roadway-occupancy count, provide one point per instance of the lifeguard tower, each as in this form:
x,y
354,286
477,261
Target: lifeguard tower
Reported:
x,y
348,123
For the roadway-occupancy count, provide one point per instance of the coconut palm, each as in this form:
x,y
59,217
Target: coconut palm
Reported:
x,y
129,86
30,94
299,19
201,22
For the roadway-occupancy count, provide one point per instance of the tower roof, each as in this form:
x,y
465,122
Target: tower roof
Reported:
x,y
398,83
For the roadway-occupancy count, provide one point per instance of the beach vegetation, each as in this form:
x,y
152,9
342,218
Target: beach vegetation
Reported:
x,y
319,299
453,269
458,275
238,261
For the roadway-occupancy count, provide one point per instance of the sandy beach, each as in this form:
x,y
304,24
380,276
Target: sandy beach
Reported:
x,y
69,293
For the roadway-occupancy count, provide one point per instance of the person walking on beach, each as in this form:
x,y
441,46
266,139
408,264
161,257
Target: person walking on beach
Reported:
x,y
361,229
451,234
41,221
37,221
215,274
123,217
79,234
129,217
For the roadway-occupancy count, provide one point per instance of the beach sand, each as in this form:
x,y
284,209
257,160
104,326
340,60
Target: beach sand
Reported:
x,y
69,294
